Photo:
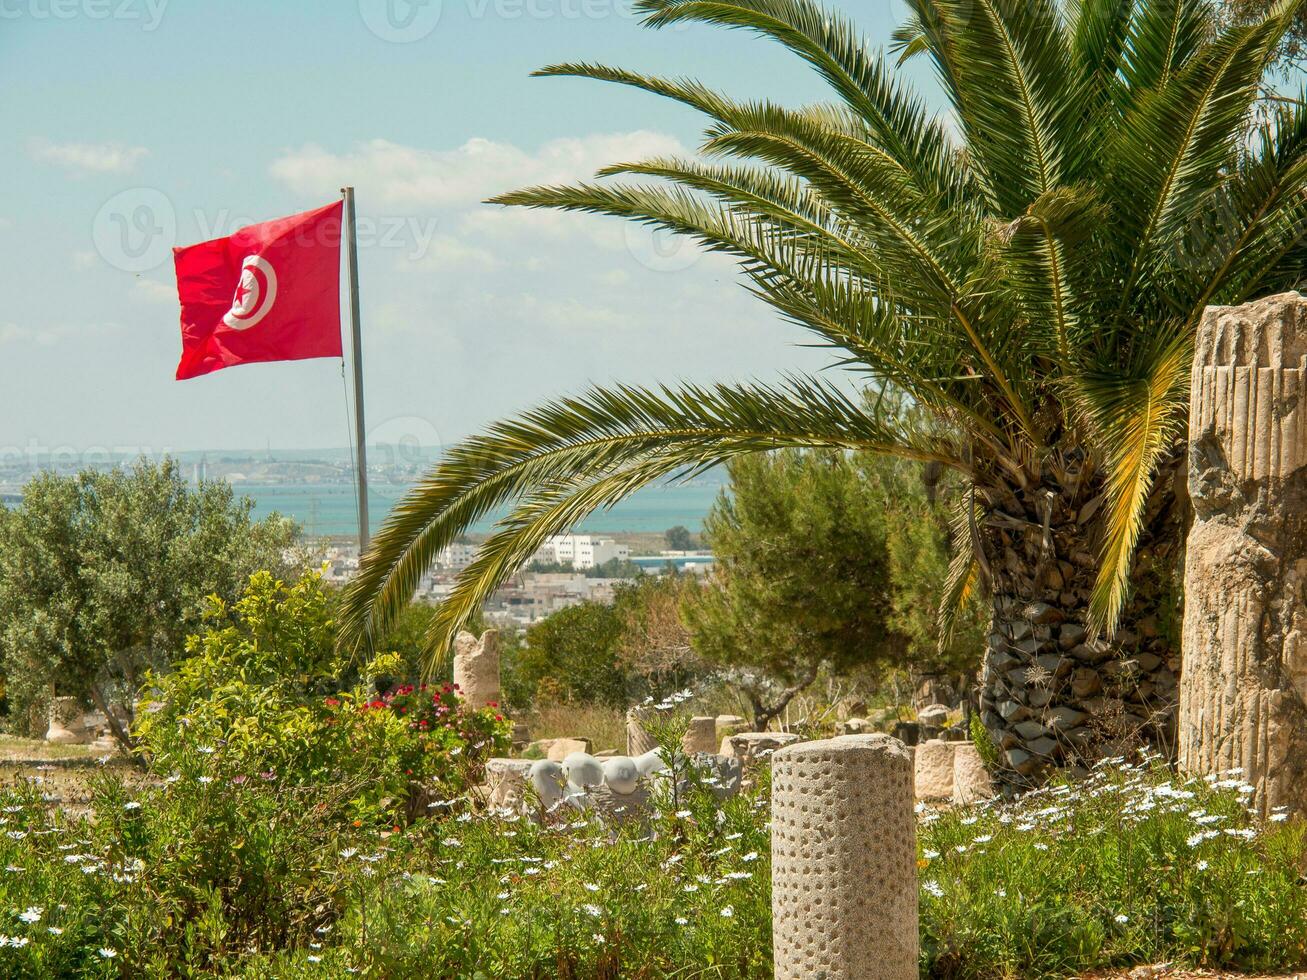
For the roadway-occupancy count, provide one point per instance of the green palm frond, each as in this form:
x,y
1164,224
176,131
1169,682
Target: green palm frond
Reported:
x,y
616,438
1137,414
897,120
964,569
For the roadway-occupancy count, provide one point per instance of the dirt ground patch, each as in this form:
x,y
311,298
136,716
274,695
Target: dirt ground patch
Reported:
x,y
64,773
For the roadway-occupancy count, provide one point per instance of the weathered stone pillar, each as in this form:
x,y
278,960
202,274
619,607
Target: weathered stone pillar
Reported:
x,y
638,740
476,668
972,782
844,871
66,725
700,736
1243,684
933,769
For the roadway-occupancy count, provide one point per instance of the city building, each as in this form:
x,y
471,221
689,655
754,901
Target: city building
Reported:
x,y
580,551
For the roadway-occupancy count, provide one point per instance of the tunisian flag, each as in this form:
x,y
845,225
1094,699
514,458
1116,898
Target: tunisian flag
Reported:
x,y
270,292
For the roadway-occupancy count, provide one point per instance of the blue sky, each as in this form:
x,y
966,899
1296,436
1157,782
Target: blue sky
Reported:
x,y
133,125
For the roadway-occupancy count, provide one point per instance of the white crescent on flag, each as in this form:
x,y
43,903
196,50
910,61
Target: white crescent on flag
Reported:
x,y
256,291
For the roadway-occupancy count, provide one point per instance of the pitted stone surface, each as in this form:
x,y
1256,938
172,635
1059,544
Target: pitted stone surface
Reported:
x,y
700,736
933,778
844,873
476,668
971,780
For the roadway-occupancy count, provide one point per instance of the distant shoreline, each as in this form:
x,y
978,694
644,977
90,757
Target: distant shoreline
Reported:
x,y
328,510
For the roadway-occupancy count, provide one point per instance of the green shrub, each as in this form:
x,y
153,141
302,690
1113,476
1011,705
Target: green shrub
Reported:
x,y
249,702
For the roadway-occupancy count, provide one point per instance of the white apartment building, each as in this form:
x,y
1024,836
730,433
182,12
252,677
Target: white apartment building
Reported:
x,y
457,555
580,550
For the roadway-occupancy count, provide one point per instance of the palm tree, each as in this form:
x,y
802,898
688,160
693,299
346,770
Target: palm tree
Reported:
x,y
1028,271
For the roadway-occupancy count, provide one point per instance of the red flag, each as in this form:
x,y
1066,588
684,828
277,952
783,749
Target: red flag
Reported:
x,y
270,292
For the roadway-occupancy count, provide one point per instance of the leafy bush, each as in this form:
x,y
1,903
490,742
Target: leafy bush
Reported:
x,y
250,702
103,575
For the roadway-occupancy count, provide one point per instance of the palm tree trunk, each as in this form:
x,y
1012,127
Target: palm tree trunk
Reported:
x,y
1052,694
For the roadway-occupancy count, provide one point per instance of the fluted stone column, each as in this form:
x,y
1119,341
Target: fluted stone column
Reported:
x,y
638,739
476,668
1243,686
844,872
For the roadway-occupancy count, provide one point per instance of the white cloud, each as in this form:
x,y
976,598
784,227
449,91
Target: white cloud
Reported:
x,y
153,291
445,252
393,175
13,333
88,158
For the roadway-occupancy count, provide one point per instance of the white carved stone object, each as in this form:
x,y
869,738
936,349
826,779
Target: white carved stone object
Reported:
x,y
1243,690
844,873
972,782
583,770
649,763
933,779
506,781
476,668
549,782
700,736
66,726
621,775
638,741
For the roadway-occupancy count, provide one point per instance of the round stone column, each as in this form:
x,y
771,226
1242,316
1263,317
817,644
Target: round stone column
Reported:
x,y
844,868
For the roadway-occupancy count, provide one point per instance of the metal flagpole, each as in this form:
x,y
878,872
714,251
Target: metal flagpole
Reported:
x,y
360,434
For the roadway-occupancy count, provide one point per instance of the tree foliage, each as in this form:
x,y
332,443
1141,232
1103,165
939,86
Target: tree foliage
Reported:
x,y
103,575
571,656
825,559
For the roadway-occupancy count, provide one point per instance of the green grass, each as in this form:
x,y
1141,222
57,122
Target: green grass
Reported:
x,y
1126,868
